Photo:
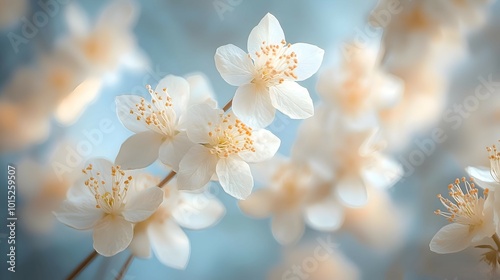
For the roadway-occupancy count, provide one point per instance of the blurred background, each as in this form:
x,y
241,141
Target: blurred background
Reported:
x,y
57,110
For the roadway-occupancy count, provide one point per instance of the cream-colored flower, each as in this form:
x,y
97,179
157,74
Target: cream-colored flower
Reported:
x,y
266,76
471,217
223,146
108,202
162,232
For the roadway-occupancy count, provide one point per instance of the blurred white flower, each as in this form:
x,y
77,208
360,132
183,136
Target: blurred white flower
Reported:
x,y
156,124
108,202
358,88
107,44
161,231
471,218
223,146
266,75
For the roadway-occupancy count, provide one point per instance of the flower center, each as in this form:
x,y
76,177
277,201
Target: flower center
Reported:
x,y
494,162
158,116
275,64
229,137
467,208
109,199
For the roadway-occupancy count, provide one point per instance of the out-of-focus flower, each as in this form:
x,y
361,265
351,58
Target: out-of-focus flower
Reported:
x,y
109,202
379,224
471,218
266,76
358,89
285,198
156,124
328,262
162,233
11,12
351,159
224,145
107,44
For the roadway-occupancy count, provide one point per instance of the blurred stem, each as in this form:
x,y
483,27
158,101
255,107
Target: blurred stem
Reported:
x,y
126,265
82,265
172,173
497,241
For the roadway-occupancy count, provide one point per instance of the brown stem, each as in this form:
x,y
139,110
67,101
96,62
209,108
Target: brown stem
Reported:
x,y
82,265
126,265
497,241
228,105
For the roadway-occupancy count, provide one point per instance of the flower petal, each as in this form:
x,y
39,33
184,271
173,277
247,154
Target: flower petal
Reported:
x,y
178,89
198,211
124,103
287,227
172,150
196,122
253,105
78,215
268,31
384,172
482,176
266,145
140,245
143,204
292,100
328,215
196,168
309,59
451,238
170,244
352,190
200,90
234,65
259,204
139,150
235,177
112,234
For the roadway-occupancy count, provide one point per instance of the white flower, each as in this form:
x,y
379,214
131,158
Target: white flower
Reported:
x,y
471,218
108,203
161,231
224,145
489,178
266,75
156,124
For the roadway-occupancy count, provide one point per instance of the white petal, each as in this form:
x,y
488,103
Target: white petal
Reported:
x,y
76,19
292,100
235,177
170,244
140,245
253,105
139,150
268,30
352,190
78,215
309,59
259,204
266,145
143,204
383,173
234,65
196,168
327,215
451,238
287,227
119,13
178,89
196,121
389,90
482,177
112,234
200,90
198,211
123,105
172,150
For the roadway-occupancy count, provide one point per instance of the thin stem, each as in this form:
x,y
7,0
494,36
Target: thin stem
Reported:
x,y
82,265
497,241
126,265
228,105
